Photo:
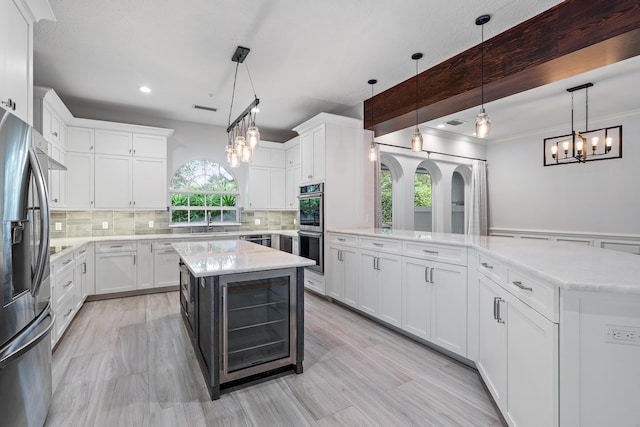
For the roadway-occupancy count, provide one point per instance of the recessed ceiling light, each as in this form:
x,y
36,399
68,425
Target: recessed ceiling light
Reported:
x,y
145,89
442,126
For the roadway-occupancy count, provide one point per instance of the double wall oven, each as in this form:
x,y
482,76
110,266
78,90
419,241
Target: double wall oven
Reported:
x,y
311,234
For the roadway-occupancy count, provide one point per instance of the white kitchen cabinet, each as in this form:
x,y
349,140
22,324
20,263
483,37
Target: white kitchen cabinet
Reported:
x,y
80,140
113,182
152,146
277,188
80,276
115,272
79,180
90,271
379,290
57,178
315,281
417,298
149,189
259,187
113,142
166,270
16,36
292,184
312,155
342,269
144,264
292,156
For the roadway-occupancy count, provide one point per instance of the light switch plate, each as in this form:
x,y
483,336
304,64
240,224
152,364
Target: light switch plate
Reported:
x,y
256,221
150,224
58,226
105,225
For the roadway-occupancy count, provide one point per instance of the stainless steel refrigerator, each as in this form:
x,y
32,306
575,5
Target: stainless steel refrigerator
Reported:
x,y
25,312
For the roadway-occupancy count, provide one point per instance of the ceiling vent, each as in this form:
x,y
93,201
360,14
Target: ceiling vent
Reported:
x,y
455,122
202,107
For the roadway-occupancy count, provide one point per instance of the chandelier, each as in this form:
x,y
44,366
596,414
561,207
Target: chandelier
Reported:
x,y
583,146
243,134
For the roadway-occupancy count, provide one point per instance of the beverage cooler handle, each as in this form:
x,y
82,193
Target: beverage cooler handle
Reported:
x,y
43,196
224,331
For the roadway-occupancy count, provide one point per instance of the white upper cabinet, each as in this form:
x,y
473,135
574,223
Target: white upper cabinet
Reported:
x,y
277,158
293,156
113,142
149,189
113,182
312,149
149,146
80,140
80,185
266,179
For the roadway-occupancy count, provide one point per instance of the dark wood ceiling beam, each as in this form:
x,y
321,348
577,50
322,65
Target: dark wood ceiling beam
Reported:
x,y
571,38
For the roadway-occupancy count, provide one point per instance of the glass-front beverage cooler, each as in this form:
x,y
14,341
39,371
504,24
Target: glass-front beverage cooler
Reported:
x,y
258,323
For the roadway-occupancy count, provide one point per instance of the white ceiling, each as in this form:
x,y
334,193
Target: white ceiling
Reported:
x,y
306,56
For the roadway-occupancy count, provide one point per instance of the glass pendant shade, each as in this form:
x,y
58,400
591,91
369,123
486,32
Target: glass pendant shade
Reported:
x,y
233,160
253,136
373,152
483,124
416,140
246,154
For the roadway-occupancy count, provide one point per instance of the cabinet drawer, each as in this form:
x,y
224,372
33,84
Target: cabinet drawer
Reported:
x,y
545,299
63,263
115,247
64,313
314,282
343,239
81,251
384,245
64,284
162,245
491,268
434,252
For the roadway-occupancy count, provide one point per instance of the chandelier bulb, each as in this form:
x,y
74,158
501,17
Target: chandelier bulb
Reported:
x,y
483,124
416,140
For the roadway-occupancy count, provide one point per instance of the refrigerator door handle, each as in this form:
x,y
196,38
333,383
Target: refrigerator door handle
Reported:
x,y
14,349
43,196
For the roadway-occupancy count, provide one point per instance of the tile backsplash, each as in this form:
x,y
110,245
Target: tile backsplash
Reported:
x,y
117,223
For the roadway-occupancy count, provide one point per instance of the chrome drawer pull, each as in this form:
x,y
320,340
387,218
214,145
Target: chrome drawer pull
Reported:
x,y
521,286
378,244
485,265
116,246
426,251
342,239
68,284
69,311
67,262
498,314
495,308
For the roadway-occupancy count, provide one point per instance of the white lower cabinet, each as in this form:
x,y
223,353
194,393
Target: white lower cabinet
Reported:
x,y
165,266
342,274
518,357
314,281
115,267
144,265
380,290
434,303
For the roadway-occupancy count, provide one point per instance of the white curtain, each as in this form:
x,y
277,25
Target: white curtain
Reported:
x,y
478,224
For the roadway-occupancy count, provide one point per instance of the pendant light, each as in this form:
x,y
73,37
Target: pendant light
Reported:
x,y
373,150
483,124
416,139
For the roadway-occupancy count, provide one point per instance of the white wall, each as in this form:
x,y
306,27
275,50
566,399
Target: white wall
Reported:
x,y
599,197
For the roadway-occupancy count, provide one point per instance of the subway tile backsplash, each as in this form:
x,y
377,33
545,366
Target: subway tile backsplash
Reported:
x,y
117,223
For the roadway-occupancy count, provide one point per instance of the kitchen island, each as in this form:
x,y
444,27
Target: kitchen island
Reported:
x,y
243,306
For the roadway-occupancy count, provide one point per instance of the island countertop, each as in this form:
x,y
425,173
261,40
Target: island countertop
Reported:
x,y
218,257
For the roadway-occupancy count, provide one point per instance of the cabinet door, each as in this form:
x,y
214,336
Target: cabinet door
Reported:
x,y
416,294
293,156
80,280
292,182
149,146
115,272
113,142
277,158
334,273
492,345
166,268
15,78
112,181
532,349
390,285
55,178
259,187
368,289
80,185
319,145
449,307
80,139
90,270
144,265
350,276
306,157
149,183
277,188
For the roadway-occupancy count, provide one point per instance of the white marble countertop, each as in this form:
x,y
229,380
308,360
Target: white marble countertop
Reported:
x,y
218,257
569,266
62,246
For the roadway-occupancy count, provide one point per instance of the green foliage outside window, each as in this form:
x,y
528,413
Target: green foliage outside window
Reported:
x,y
422,189
386,196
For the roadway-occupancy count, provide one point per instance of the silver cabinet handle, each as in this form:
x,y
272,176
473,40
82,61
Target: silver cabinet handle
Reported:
x,y
116,246
69,283
10,104
521,286
495,308
498,314
427,251
426,274
54,134
67,262
485,265
378,244
342,239
84,268
69,311
432,270
134,259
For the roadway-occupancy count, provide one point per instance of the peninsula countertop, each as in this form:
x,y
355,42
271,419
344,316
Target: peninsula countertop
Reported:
x,y
218,257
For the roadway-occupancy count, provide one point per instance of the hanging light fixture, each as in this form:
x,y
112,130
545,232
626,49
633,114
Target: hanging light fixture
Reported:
x,y
373,149
243,139
416,139
574,148
483,124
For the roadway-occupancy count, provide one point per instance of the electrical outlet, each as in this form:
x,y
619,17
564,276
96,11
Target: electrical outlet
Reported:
x,y
58,226
105,225
622,334
295,221
150,224
256,221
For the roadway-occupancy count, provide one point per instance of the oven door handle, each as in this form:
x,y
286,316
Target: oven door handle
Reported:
x,y
309,234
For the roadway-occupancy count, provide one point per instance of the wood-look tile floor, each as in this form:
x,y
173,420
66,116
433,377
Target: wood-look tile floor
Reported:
x,y
129,362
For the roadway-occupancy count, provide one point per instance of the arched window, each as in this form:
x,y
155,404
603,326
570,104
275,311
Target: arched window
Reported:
x,y
423,214
457,203
203,192
386,196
